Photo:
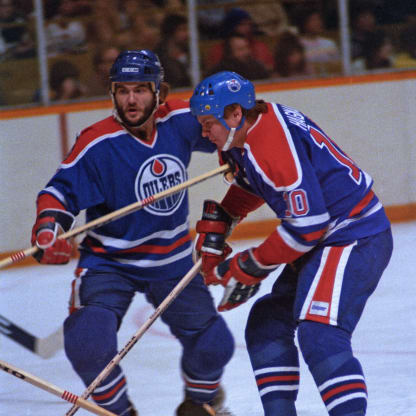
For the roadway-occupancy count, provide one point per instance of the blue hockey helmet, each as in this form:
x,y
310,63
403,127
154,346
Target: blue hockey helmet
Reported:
x,y
137,66
215,92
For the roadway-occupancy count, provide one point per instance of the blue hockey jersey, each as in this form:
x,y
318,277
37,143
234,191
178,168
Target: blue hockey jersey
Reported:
x,y
318,192
108,168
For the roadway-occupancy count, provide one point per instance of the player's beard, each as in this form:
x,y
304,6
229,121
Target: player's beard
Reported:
x,y
148,111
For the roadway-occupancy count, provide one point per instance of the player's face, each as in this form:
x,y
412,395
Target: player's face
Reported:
x,y
135,102
213,130
216,132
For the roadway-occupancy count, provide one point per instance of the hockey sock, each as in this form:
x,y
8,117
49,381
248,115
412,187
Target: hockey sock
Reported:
x,y
273,356
337,373
90,336
204,358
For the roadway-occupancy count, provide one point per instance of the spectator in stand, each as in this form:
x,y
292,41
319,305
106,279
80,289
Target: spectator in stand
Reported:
x,y
64,81
363,24
238,21
74,8
103,59
377,52
15,39
140,25
406,58
290,58
64,33
270,17
238,58
173,50
210,18
319,50
105,24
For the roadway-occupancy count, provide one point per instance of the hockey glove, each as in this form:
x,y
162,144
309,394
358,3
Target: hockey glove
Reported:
x,y
241,276
214,227
49,223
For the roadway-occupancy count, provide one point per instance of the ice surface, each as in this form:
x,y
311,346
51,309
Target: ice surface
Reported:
x,y
35,298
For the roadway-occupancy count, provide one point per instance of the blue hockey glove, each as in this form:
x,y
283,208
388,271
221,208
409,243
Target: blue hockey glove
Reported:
x,y
241,277
49,223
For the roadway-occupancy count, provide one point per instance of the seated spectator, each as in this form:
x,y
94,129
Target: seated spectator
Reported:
x,y
377,52
63,33
290,58
143,33
105,23
210,18
64,81
319,50
406,58
15,39
103,59
238,21
363,23
270,17
131,8
238,58
173,50
73,8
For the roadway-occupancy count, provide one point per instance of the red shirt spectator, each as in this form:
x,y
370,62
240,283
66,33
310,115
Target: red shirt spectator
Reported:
x,y
238,21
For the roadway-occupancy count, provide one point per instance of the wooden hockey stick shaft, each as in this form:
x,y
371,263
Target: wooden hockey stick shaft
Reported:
x,y
50,388
112,216
157,312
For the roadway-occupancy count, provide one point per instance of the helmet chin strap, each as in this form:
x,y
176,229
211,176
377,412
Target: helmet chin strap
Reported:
x,y
231,133
229,139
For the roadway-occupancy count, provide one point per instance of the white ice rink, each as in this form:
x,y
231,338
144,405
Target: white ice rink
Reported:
x,y
35,298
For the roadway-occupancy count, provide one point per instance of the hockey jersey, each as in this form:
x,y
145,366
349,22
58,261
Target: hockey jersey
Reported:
x,y
108,168
318,192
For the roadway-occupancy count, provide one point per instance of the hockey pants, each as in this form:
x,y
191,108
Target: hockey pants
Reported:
x,y
91,335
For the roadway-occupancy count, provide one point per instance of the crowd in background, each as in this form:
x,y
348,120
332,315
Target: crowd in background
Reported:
x,y
278,39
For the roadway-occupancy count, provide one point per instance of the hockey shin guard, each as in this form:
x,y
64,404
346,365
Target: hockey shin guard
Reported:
x,y
273,356
90,336
337,373
204,358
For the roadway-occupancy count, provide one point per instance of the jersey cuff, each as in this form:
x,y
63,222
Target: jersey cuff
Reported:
x,y
47,201
239,202
274,250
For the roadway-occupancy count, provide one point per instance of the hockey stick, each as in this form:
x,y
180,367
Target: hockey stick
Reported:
x,y
105,219
157,312
63,394
44,347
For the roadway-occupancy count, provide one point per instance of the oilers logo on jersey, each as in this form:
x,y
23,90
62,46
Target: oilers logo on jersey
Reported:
x,y
158,174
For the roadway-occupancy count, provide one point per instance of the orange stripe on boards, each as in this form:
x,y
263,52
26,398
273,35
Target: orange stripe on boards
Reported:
x,y
401,213
266,87
257,229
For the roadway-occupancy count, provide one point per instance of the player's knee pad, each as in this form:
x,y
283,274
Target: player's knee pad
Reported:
x,y
319,341
90,337
208,353
269,321
337,373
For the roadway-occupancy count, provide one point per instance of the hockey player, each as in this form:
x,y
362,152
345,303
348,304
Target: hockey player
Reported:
x,y
334,238
143,148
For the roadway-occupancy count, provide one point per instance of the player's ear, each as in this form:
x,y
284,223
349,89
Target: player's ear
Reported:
x,y
164,91
237,114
